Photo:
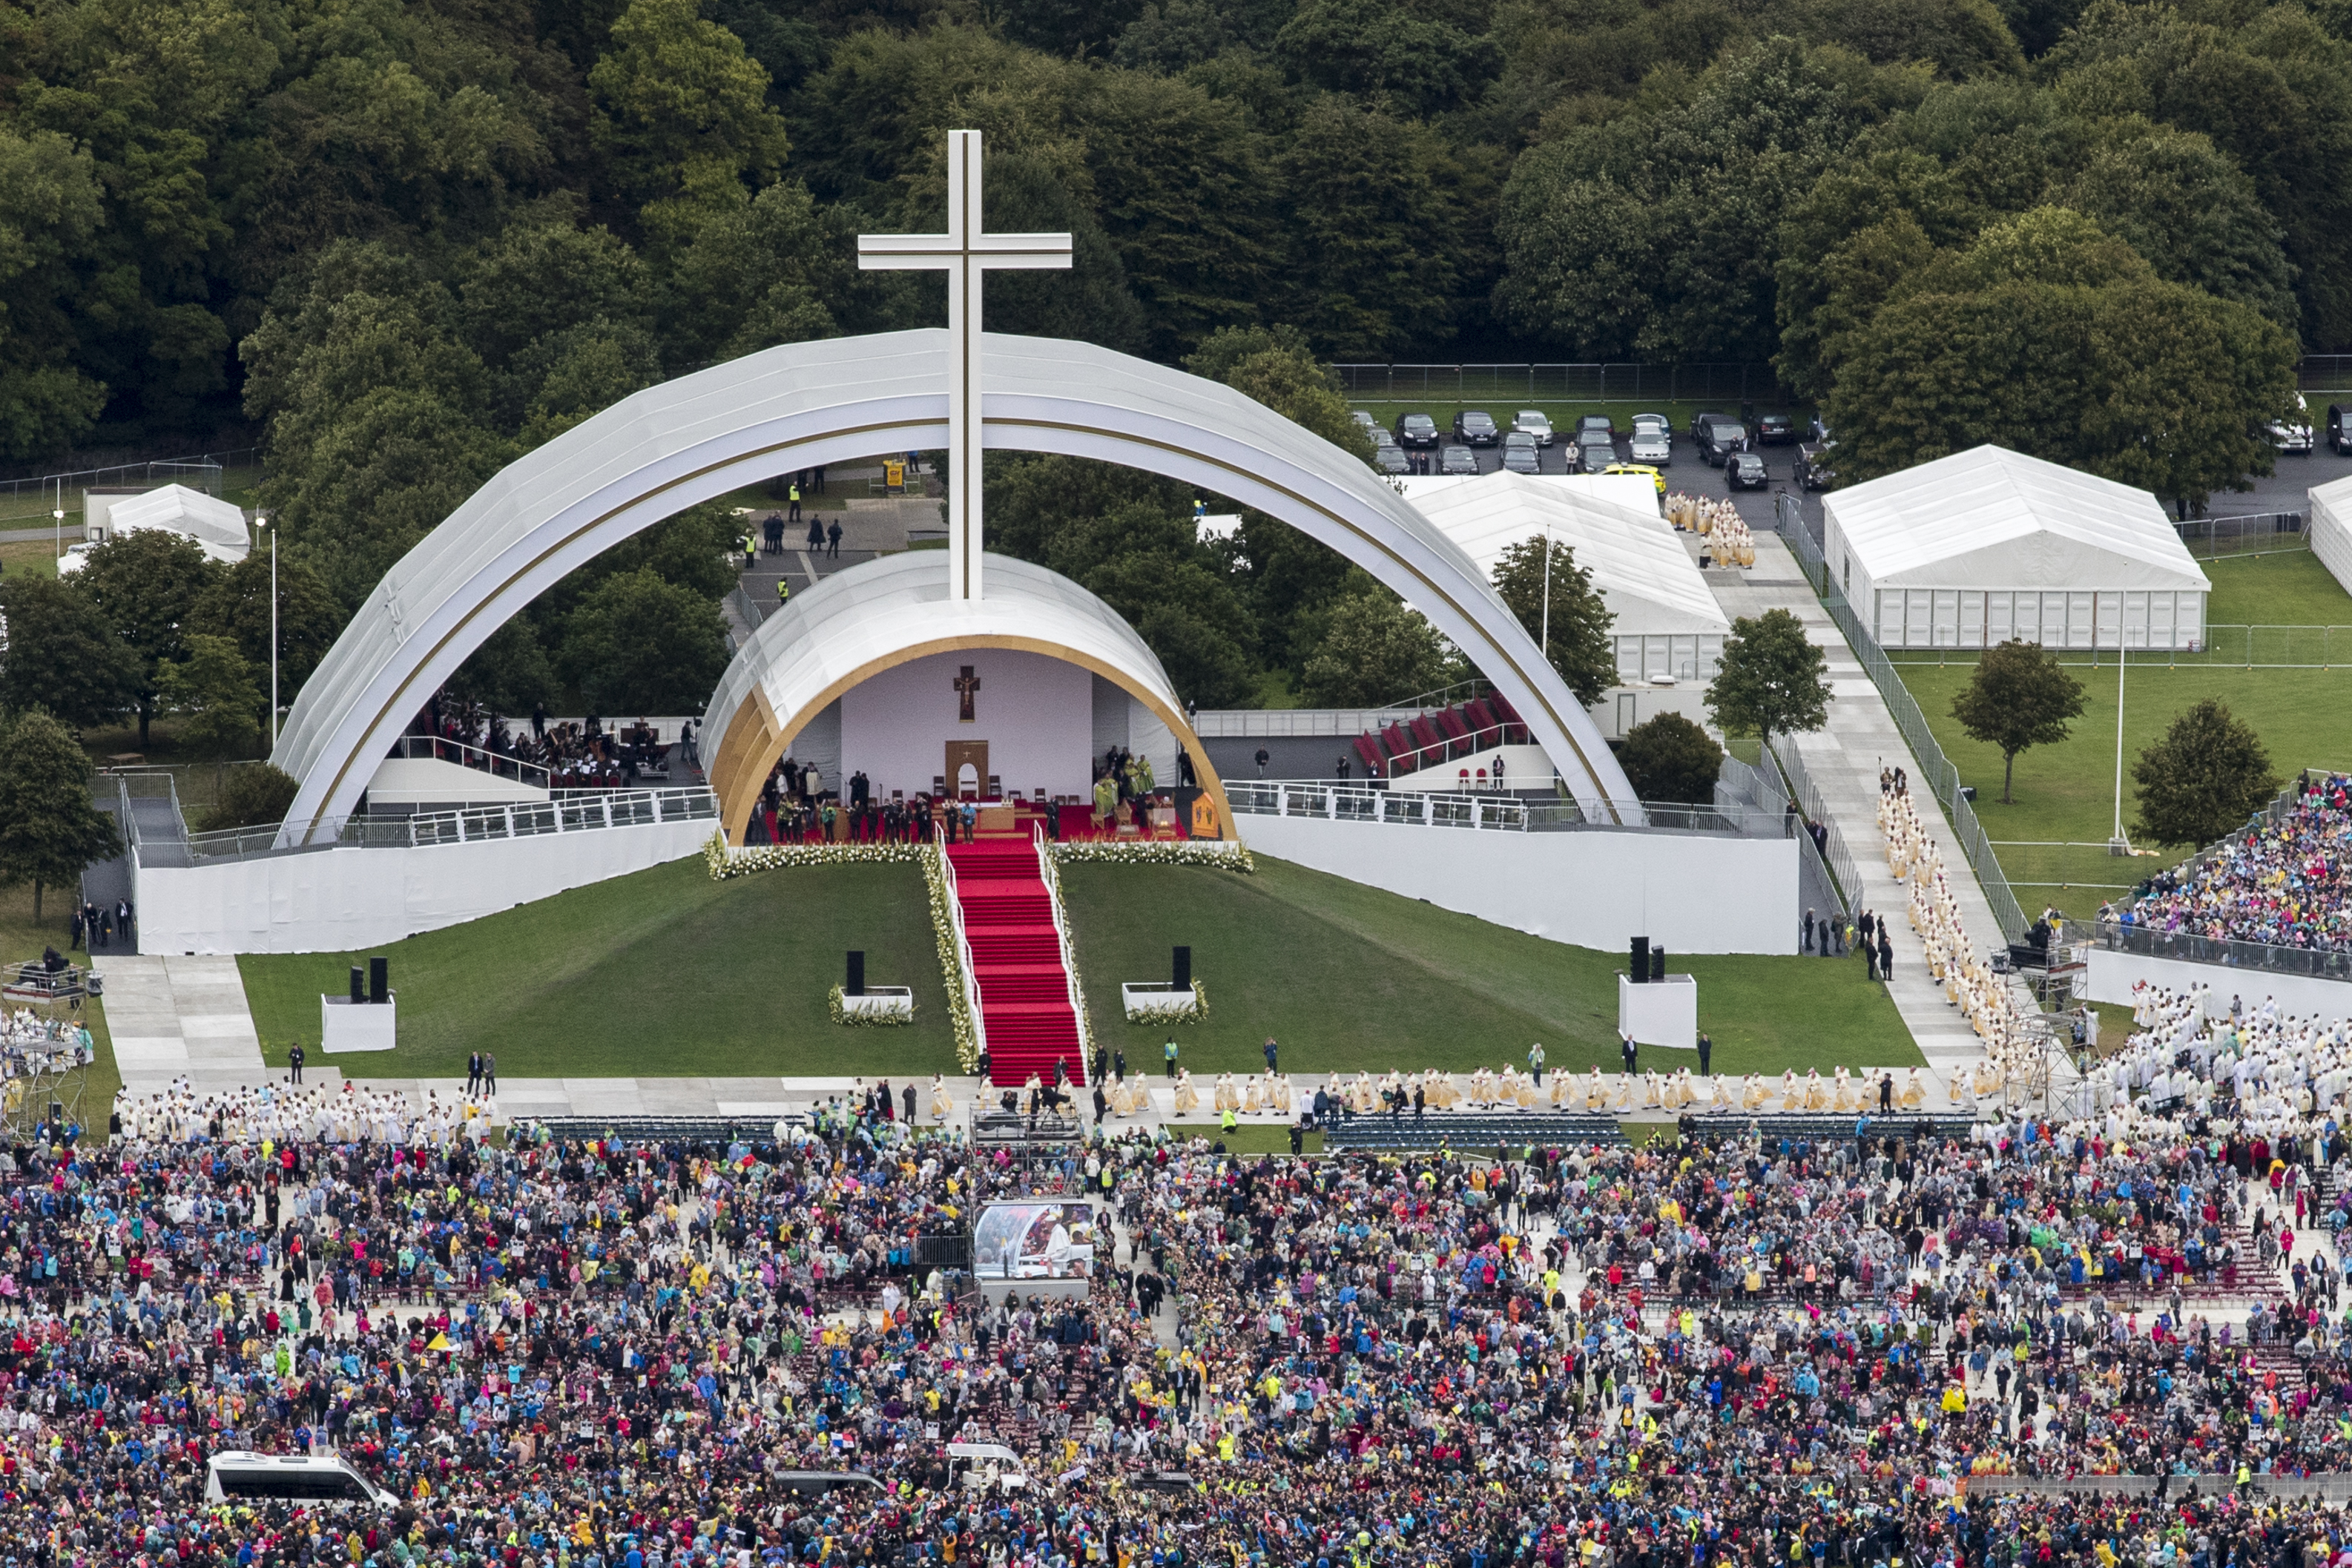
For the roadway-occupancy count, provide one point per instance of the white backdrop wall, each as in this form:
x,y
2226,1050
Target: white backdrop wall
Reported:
x,y
2113,975
1692,892
329,901
1036,714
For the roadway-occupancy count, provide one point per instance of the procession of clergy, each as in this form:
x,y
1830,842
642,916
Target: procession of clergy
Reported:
x,y
281,1113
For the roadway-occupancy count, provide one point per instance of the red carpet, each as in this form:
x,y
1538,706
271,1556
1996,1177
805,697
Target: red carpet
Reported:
x,y
1024,997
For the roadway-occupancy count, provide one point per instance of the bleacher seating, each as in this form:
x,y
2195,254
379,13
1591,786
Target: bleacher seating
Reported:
x,y
1427,739
1815,1127
1471,1129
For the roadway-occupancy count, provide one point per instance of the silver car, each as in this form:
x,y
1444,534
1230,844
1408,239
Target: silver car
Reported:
x,y
1535,423
1652,441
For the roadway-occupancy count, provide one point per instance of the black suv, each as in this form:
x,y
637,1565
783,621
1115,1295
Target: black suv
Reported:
x,y
1775,430
1718,435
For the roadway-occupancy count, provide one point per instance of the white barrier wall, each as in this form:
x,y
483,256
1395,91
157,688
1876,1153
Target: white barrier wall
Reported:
x,y
2113,975
331,900
2331,529
1690,892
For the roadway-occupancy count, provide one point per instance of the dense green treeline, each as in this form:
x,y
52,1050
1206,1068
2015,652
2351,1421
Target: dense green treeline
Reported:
x,y
410,241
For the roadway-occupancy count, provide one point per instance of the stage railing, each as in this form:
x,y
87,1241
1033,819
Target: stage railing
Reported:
x,y
497,764
1050,874
471,824
963,944
1489,813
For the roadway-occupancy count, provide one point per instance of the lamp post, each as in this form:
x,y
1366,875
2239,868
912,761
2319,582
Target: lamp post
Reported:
x,y
261,520
2117,845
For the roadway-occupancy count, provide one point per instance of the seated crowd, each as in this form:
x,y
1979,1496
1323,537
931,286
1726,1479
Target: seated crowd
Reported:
x,y
2284,881
611,1355
584,753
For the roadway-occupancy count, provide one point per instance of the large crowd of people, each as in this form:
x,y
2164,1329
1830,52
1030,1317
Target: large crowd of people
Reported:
x,y
613,1353
2286,881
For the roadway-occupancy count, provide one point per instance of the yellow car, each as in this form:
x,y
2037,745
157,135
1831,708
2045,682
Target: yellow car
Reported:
x,y
1657,476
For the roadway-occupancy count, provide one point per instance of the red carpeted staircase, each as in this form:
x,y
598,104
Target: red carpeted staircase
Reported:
x,y
1024,997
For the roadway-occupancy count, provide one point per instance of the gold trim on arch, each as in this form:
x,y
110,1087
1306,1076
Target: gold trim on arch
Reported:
x,y
756,740
399,696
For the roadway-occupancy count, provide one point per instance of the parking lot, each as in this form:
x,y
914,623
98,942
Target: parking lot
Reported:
x,y
2281,491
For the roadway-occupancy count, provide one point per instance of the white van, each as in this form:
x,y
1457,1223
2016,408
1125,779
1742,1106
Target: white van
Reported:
x,y
290,1477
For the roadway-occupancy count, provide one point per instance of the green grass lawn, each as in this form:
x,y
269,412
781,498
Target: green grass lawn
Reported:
x,y
1349,977
2066,793
662,974
2289,590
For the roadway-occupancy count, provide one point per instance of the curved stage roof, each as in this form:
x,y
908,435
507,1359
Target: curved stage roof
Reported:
x,y
702,435
893,610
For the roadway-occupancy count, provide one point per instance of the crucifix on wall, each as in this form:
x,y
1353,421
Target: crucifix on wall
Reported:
x,y
967,686
966,254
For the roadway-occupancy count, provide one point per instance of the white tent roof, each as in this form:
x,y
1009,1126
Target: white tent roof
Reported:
x,y
1644,576
1989,518
217,525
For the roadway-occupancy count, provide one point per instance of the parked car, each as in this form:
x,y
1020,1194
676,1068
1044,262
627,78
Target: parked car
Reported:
x,y
2294,435
1597,448
1476,427
1595,421
1775,430
2339,432
1744,472
1535,423
1371,427
1813,469
1519,454
1458,460
1389,459
1656,478
1417,431
1652,440
1718,435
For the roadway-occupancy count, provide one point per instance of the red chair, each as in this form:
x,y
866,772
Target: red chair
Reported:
x,y
1369,750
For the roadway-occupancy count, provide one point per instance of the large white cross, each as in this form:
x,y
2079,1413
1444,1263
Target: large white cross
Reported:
x,y
966,254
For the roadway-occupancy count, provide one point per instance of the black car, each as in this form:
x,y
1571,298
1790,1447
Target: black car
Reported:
x,y
2339,428
1718,435
1596,448
1458,460
1744,472
1389,459
1417,430
1813,469
1476,427
1599,422
1520,455
1775,430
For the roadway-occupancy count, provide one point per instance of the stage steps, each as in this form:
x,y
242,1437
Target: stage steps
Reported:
x,y
1025,993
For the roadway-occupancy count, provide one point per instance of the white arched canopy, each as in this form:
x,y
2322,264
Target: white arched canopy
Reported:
x,y
693,439
891,611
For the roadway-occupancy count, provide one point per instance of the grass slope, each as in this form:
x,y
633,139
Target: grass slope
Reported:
x,y
662,973
2065,794
1347,976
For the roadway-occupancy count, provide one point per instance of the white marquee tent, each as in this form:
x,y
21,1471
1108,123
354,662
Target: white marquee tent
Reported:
x,y
1668,626
2331,529
1985,545
219,526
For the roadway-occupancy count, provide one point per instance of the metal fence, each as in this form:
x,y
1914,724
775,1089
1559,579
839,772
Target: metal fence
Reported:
x,y
1942,779
1839,860
2244,534
37,495
2222,647
2147,942
2324,373
1505,814
1728,383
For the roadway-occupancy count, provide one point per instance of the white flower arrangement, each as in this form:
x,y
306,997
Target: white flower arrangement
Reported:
x,y
1224,854
866,1018
725,862
967,1032
1167,1007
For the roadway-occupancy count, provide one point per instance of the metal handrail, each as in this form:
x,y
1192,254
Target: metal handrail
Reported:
x,y
461,753
963,945
1463,808
467,825
1051,875
1845,881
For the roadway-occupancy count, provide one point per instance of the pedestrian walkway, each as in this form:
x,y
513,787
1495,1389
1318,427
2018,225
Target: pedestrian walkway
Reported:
x,y
179,1017
1843,761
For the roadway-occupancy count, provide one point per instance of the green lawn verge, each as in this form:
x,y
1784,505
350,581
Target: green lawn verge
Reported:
x,y
2289,590
2065,794
662,974
22,938
1349,977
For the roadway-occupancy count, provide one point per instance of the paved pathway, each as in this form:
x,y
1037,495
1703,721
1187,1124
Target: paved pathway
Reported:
x,y
172,1017
1844,761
